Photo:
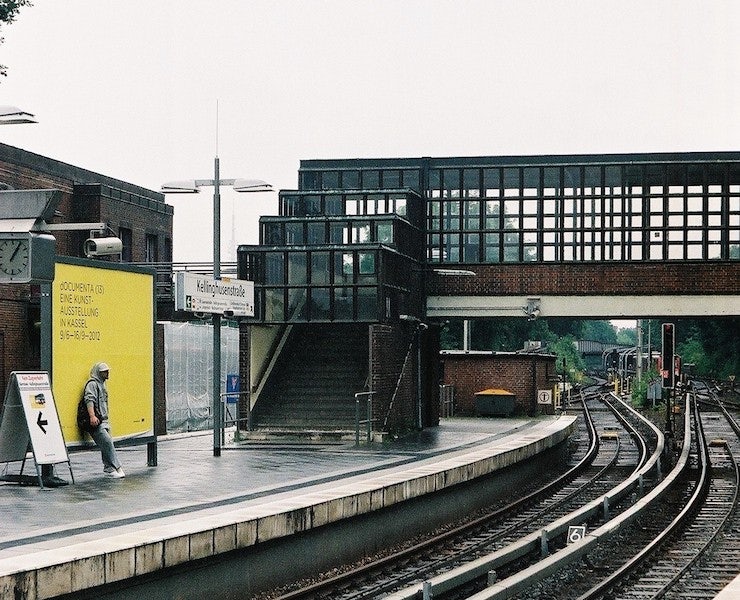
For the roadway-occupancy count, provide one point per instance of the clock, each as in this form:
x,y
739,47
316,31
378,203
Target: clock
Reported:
x,y
26,257
15,257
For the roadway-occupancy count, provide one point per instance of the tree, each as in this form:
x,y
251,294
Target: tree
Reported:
x,y
8,12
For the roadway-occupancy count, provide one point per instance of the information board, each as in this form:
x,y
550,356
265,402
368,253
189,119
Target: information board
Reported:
x,y
30,414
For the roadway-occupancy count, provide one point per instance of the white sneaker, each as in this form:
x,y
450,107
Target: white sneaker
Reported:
x,y
117,473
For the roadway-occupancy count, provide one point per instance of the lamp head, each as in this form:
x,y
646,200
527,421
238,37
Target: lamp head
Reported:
x,y
180,187
12,115
251,185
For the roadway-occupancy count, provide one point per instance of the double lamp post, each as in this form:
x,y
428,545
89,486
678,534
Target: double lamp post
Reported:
x,y
193,186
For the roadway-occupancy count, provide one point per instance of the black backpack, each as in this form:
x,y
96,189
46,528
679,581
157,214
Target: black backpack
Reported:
x,y
83,417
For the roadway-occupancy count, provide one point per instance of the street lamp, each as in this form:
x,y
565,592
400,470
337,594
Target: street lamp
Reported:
x,y
193,186
12,115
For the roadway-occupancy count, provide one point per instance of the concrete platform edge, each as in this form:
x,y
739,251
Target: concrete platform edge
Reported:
x,y
87,564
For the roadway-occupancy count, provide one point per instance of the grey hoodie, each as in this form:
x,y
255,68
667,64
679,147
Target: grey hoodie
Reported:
x,y
96,391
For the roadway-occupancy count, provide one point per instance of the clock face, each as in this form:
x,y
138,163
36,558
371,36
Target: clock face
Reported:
x,y
14,257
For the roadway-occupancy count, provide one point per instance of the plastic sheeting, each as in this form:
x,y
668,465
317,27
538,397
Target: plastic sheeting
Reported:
x,y
188,360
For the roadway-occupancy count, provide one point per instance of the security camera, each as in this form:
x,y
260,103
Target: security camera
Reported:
x,y
103,246
533,314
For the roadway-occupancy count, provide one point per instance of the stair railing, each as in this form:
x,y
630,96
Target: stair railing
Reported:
x,y
368,420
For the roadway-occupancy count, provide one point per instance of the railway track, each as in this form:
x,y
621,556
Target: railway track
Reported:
x,y
652,529
617,451
686,546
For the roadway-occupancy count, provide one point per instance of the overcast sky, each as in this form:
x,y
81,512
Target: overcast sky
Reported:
x,y
129,88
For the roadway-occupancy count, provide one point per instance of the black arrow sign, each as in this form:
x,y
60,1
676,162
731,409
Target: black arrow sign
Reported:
x,y
41,423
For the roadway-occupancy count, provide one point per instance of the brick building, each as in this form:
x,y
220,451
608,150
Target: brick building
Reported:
x,y
391,247
137,215
522,374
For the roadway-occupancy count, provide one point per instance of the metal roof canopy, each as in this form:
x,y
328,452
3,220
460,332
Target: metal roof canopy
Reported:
x,y
29,204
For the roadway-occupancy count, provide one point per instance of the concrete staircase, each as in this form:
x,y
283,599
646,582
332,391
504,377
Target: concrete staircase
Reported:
x,y
310,392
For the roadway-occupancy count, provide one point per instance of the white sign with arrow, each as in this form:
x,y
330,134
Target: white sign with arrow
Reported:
x,y
30,414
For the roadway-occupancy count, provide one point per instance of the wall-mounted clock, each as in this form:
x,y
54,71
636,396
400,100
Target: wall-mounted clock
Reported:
x,y
15,257
26,257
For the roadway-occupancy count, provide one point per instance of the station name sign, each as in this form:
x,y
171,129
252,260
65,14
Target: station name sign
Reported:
x,y
197,293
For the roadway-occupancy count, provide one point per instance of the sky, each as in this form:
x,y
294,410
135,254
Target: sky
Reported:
x,y
130,89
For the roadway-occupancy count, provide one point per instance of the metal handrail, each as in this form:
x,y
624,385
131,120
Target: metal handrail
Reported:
x,y
368,421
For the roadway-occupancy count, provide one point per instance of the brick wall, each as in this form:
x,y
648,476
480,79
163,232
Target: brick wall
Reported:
x,y
521,374
389,345
574,279
86,197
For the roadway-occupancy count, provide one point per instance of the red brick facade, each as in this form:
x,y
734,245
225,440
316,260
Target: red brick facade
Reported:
x,y
521,374
87,197
603,278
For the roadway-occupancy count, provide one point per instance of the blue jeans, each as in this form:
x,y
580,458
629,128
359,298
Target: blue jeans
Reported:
x,y
103,439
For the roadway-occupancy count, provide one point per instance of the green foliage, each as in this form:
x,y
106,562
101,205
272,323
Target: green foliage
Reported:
x,y
712,345
640,388
598,331
8,12
569,360
627,337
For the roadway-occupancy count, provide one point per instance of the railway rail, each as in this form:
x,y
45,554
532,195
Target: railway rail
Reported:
x,y
617,453
615,526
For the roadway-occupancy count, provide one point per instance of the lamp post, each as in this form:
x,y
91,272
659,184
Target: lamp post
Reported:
x,y
193,187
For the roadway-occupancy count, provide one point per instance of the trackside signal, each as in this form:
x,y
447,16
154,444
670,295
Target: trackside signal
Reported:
x,y
667,356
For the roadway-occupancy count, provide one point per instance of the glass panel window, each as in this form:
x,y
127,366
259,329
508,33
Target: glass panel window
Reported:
x,y
313,205
320,268
367,303
472,247
127,252
297,268
343,267
472,215
334,205
319,304
273,234
316,233
371,180
411,180
274,274
366,267
492,254
385,233
274,305
338,233
391,179
151,254
330,180
343,304
294,234
361,233
351,180
451,252
493,211
297,309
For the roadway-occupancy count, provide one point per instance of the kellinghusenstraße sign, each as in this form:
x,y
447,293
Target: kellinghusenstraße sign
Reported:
x,y
197,293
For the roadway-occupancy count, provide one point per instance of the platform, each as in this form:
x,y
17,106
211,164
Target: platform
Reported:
x,y
194,505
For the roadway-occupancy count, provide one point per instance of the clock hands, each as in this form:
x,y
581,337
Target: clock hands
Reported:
x,y
15,252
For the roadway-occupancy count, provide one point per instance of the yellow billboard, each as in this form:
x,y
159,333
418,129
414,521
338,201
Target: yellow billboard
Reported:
x,y
104,314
